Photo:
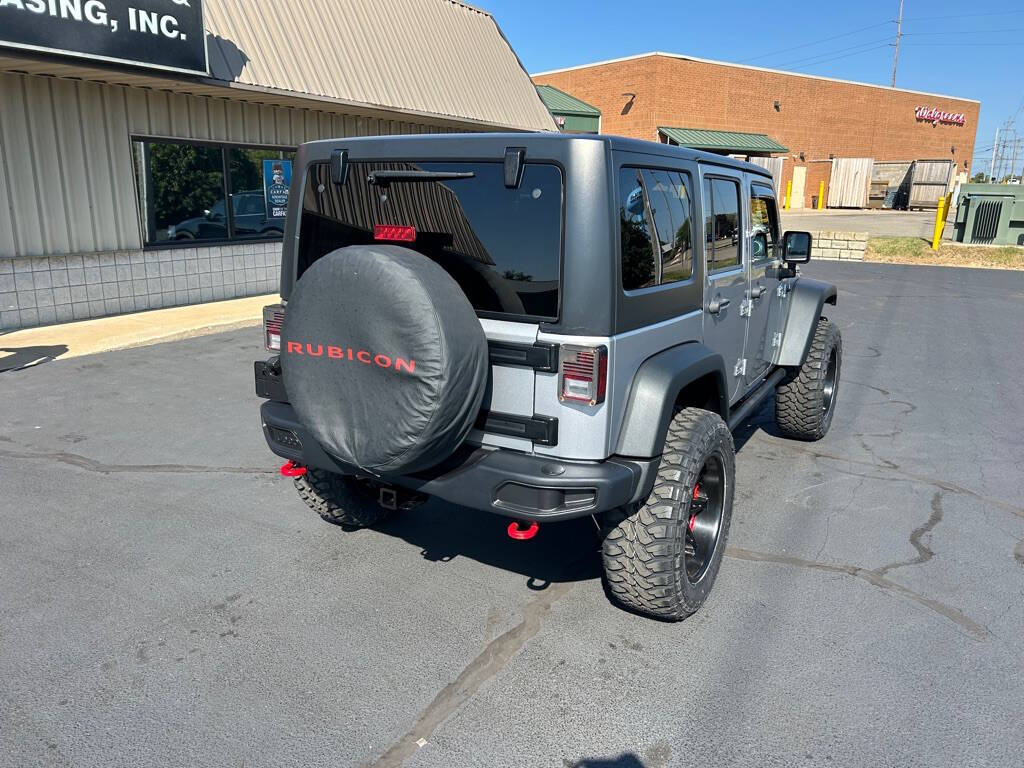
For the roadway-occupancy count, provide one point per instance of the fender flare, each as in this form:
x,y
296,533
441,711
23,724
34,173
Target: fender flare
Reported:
x,y
806,299
654,391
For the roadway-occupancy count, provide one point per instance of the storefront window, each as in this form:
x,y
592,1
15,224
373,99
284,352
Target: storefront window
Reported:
x,y
183,189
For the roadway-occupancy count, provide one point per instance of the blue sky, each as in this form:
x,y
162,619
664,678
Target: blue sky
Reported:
x,y
975,51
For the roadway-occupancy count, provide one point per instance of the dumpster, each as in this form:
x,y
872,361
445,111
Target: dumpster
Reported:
x,y
990,214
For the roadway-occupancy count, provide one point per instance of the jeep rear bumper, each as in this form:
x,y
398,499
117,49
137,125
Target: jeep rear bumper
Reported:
x,y
505,482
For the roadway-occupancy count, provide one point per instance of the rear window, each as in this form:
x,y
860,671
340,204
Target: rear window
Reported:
x,y
503,246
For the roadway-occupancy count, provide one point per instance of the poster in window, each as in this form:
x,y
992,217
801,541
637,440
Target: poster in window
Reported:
x,y
277,178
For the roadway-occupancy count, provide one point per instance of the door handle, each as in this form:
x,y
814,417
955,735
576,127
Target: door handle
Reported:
x,y
717,304
756,292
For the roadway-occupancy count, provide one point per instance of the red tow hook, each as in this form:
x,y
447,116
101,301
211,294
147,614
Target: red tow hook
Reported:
x,y
515,531
291,469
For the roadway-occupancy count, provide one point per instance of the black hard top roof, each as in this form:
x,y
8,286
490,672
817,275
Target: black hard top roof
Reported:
x,y
620,143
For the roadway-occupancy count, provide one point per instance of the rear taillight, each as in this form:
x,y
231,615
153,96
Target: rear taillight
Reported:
x,y
273,317
582,374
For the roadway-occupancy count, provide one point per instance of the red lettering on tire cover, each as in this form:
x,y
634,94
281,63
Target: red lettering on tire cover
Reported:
x,y
382,360
335,352
408,365
295,346
364,356
319,350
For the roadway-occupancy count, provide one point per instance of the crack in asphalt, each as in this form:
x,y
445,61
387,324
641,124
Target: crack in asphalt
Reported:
x,y
91,465
905,475
873,577
924,552
488,663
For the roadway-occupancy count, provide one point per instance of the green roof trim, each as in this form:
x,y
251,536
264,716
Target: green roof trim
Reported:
x,y
722,141
561,103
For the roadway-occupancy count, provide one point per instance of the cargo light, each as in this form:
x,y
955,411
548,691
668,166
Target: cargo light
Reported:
x,y
273,317
582,374
394,233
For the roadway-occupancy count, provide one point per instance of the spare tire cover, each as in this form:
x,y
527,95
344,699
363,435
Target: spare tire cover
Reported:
x,y
383,358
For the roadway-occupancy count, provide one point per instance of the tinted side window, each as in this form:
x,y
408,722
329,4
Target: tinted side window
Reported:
x,y
638,270
764,223
655,227
669,197
722,224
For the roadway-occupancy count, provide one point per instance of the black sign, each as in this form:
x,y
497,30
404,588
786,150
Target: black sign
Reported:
x,y
161,34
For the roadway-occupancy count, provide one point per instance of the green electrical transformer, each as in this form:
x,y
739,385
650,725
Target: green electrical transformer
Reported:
x,y
990,214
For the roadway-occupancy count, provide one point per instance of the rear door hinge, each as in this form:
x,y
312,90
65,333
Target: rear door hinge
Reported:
x,y
745,307
741,367
776,339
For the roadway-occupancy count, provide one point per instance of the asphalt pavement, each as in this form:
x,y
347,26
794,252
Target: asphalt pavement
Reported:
x,y
167,600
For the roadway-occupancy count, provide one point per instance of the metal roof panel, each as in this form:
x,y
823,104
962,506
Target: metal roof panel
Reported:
x,y
561,103
722,141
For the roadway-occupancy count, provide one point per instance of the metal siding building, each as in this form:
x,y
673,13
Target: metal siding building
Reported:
x,y
72,236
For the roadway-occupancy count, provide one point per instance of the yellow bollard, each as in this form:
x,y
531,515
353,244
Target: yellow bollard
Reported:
x,y
940,223
789,191
821,195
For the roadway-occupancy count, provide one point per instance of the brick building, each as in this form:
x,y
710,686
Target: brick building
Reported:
x,y
805,120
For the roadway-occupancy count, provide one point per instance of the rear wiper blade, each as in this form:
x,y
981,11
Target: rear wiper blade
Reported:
x,y
384,178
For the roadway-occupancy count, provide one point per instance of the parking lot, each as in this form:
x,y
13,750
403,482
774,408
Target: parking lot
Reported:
x,y
166,598
879,223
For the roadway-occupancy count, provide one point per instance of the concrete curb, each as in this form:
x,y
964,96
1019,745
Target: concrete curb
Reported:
x,y
88,337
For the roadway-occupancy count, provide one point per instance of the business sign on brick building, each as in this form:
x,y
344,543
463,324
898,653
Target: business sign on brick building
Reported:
x,y
933,115
154,34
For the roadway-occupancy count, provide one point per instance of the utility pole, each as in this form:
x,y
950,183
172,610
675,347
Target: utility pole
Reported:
x,y
995,151
899,34
1013,165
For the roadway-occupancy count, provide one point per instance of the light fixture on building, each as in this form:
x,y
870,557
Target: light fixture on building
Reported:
x,y
778,105
801,157
952,149
629,104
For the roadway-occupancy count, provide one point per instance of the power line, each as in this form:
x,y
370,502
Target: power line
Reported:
x,y
954,44
964,15
844,56
815,42
810,59
967,32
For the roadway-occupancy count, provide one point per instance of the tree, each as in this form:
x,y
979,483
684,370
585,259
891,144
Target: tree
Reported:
x,y
187,179
637,253
979,178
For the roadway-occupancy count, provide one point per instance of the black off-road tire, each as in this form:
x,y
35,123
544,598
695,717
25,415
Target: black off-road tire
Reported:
x,y
340,499
646,550
805,401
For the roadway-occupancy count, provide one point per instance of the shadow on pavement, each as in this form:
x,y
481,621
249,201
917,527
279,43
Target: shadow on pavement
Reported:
x,y
625,760
19,358
565,551
561,552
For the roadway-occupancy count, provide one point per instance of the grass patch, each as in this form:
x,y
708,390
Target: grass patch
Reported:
x,y
914,250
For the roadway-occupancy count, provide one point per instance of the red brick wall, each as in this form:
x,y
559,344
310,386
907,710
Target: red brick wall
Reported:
x,y
816,116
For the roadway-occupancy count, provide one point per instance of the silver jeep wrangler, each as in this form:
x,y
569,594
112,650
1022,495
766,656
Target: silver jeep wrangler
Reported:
x,y
542,327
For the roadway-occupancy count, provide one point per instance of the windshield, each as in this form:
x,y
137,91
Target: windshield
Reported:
x,y
503,246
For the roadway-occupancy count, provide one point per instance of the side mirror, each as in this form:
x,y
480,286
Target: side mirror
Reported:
x,y
796,247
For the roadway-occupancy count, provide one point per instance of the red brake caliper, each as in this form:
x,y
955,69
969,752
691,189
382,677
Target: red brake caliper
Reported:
x,y
693,515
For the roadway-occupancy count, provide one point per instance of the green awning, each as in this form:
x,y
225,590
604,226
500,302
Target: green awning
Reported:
x,y
571,114
561,103
732,142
